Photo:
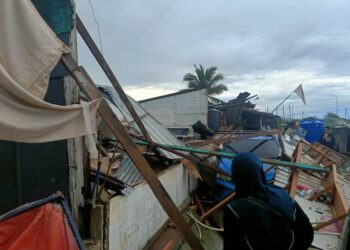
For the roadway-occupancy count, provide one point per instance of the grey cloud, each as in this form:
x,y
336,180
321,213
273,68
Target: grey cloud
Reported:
x,y
155,42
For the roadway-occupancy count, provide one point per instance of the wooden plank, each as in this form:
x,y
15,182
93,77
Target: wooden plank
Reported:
x,y
295,174
109,73
318,151
217,206
294,183
324,224
90,90
340,204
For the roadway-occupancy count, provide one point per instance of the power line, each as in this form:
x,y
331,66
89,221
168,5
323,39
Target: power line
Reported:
x,y
98,26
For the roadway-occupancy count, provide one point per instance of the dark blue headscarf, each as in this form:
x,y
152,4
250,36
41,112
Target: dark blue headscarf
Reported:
x,y
249,178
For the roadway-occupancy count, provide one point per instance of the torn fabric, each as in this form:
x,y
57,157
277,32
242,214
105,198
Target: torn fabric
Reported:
x,y
28,52
26,118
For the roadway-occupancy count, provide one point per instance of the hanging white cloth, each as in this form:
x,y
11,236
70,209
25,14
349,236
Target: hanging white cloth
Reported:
x,y
29,50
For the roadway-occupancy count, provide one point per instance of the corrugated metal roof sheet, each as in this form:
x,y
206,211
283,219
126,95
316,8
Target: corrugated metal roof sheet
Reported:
x,y
128,173
156,130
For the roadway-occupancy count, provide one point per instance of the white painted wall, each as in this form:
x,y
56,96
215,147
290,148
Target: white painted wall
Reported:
x,y
134,219
179,111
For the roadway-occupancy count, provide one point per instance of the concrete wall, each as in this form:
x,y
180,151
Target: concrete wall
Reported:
x,y
181,110
134,219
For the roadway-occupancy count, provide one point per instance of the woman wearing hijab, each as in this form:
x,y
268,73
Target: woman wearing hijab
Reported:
x,y
262,216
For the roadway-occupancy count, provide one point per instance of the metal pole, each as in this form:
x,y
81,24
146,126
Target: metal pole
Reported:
x,y
283,101
290,112
336,100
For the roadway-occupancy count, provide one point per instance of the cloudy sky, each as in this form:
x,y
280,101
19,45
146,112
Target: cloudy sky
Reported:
x,y
264,47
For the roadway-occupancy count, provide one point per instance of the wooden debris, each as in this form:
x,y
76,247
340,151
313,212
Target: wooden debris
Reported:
x,y
90,90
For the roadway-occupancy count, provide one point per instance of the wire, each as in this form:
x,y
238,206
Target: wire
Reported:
x,y
203,225
198,228
98,26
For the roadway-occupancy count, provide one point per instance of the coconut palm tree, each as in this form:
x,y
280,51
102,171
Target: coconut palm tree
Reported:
x,y
206,78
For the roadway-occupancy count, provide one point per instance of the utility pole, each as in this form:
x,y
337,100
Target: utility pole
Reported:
x,y
290,113
346,113
336,101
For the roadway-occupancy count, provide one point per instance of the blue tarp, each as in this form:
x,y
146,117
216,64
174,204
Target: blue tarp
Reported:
x,y
226,187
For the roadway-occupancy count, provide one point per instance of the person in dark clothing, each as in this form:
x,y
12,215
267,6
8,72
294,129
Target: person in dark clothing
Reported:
x,y
327,138
262,216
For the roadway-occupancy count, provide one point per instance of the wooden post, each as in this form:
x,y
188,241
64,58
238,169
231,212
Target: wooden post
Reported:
x,y
90,90
109,73
295,173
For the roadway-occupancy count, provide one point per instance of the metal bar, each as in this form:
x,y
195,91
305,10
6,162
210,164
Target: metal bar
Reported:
x,y
28,206
193,158
232,155
282,101
71,222
58,197
90,90
109,73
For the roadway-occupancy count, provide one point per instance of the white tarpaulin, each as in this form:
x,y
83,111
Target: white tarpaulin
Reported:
x,y
28,52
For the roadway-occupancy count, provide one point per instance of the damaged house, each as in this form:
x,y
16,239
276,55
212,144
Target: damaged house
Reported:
x,y
90,168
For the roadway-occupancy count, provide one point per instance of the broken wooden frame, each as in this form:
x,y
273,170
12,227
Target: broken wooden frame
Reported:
x,y
92,93
90,90
329,181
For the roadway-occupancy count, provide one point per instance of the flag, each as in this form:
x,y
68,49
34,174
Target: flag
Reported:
x,y
299,92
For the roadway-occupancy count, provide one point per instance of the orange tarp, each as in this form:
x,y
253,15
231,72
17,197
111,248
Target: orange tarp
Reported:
x,y
41,228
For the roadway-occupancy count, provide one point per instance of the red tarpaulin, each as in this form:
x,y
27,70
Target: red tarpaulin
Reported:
x,y
41,228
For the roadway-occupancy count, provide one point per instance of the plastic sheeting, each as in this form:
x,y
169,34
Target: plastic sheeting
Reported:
x,y
41,228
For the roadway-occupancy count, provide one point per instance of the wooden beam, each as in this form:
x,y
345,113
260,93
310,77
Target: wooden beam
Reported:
x,y
218,206
90,90
294,183
324,224
295,173
109,73
318,151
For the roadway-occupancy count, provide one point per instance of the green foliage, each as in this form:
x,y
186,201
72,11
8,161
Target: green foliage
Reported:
x,y
332,120
207,79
